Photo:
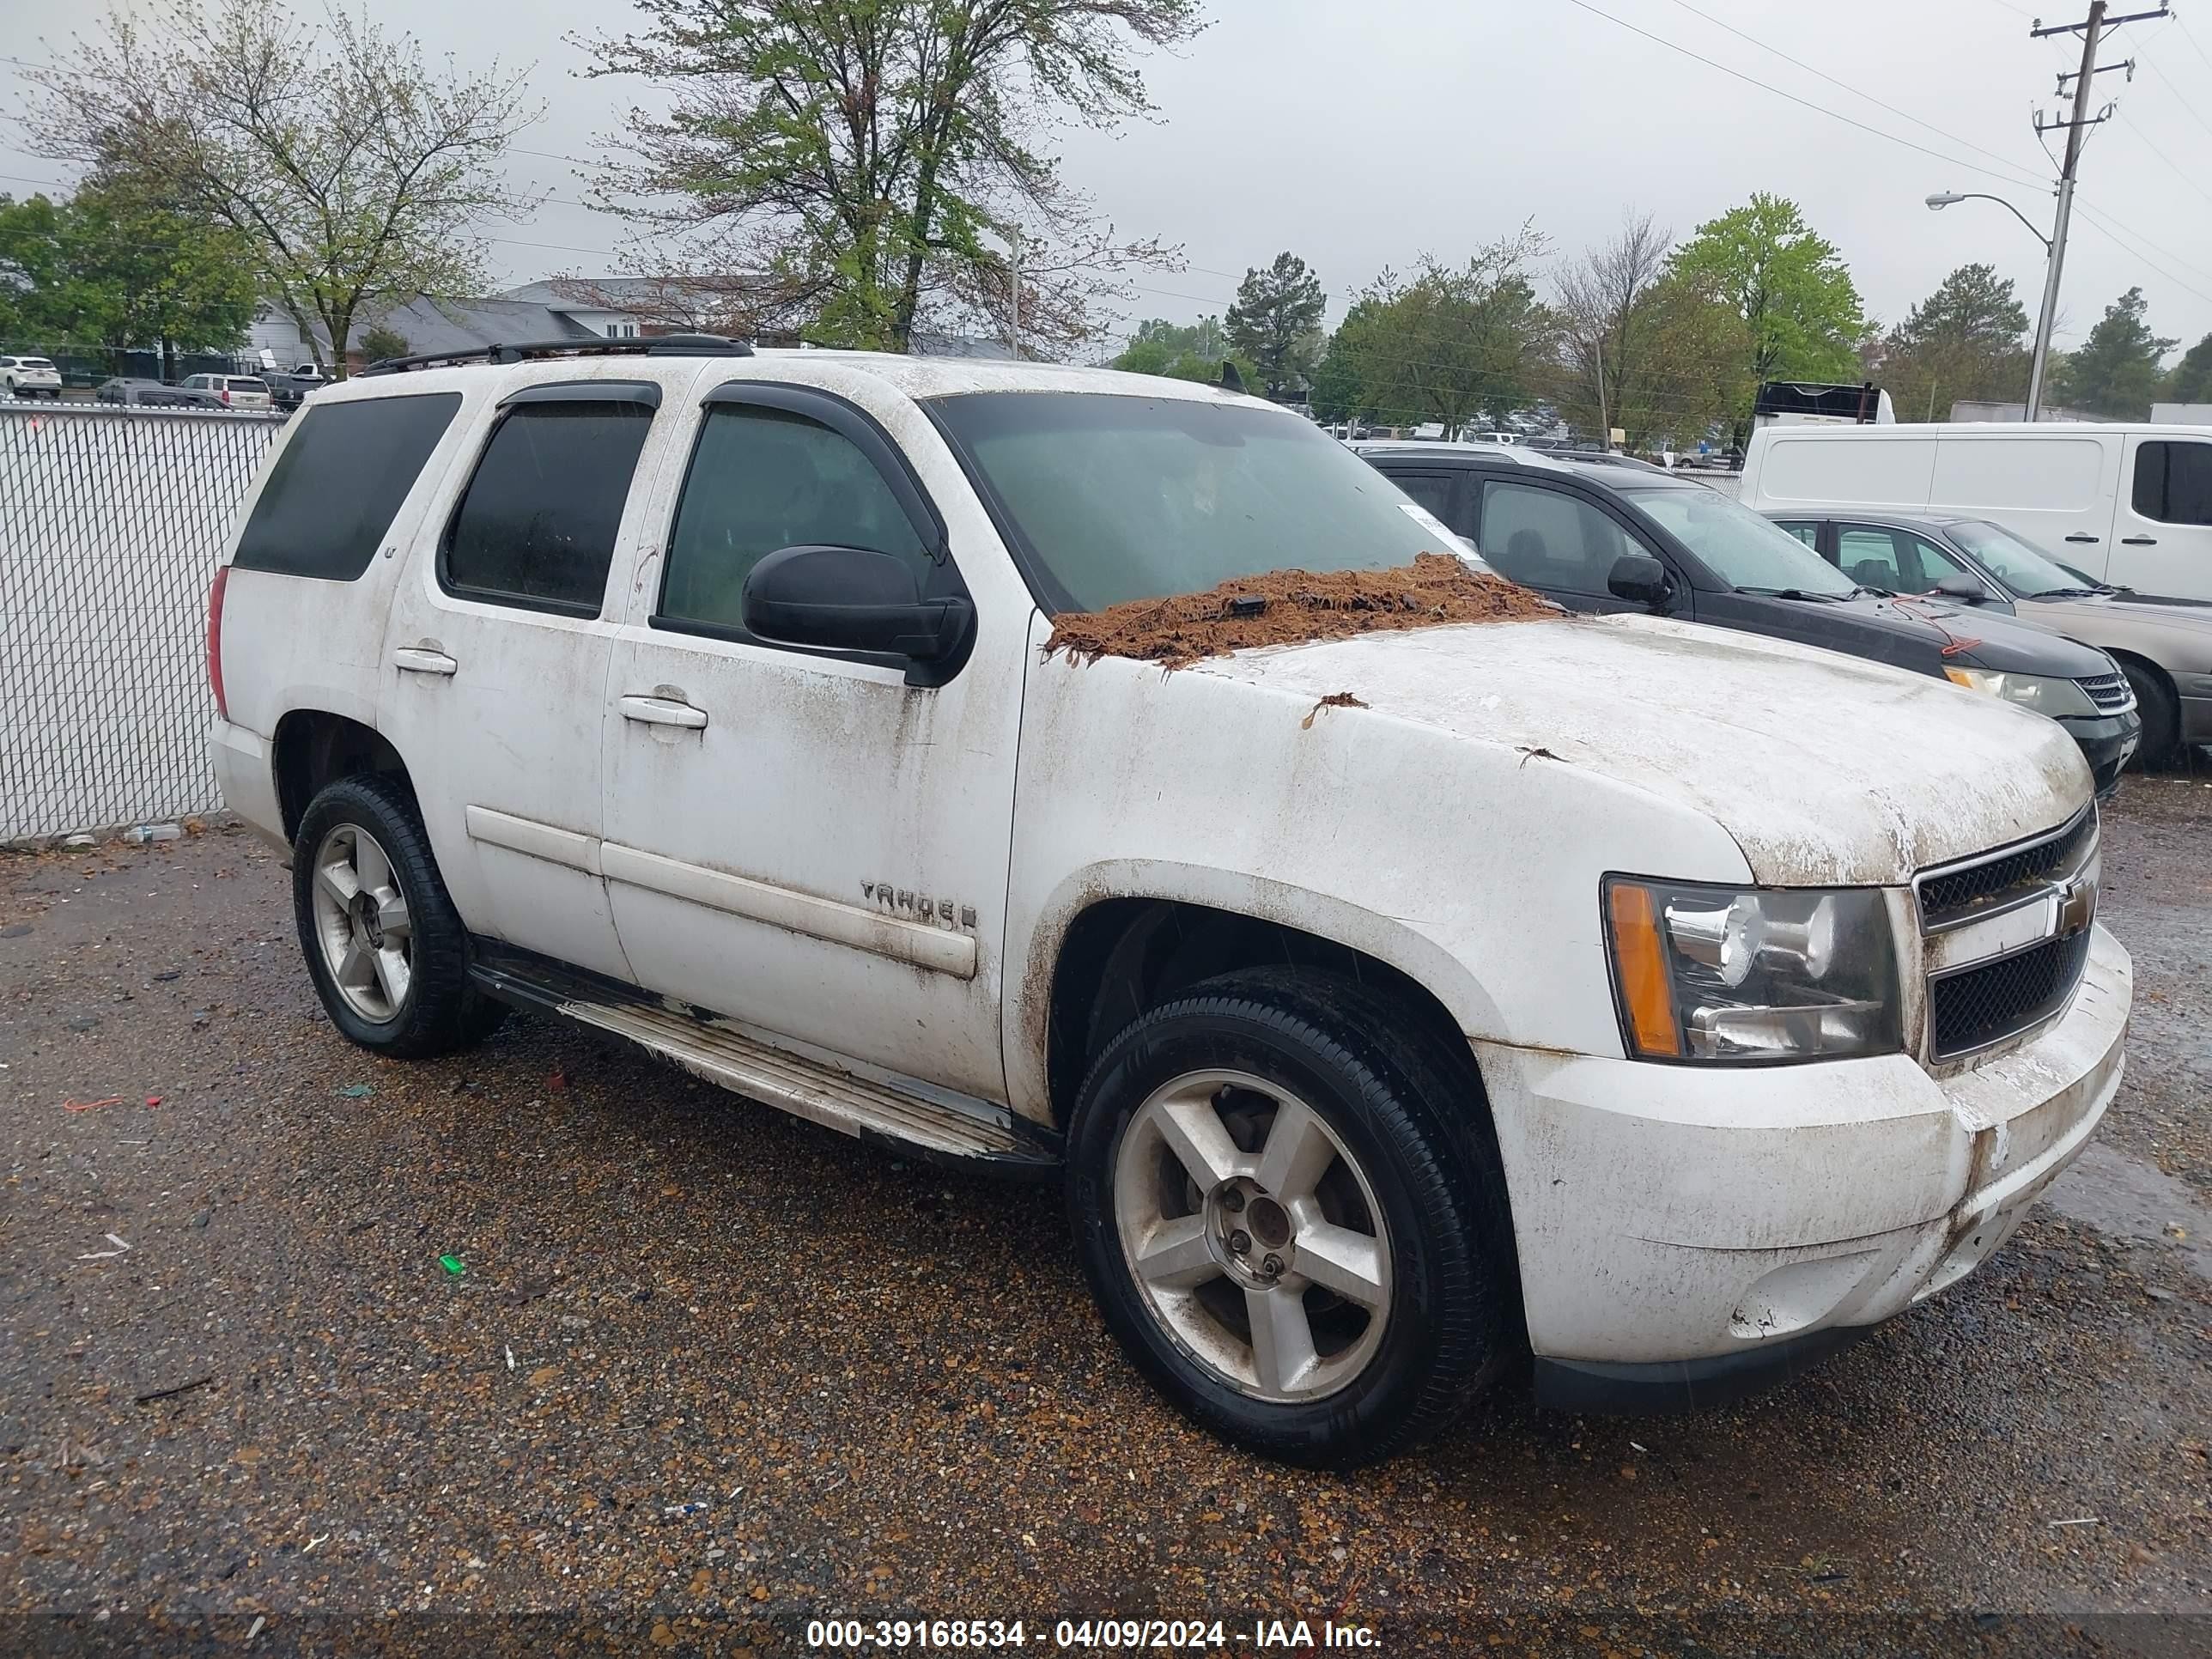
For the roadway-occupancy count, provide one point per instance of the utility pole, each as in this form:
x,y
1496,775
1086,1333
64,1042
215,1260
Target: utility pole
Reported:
x,y
2092,30
1014,291
1604,421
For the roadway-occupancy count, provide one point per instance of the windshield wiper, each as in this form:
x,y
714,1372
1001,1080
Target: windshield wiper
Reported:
x,y
2072,593
1791,594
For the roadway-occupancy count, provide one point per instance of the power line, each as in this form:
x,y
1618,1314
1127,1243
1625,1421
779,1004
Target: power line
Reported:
x,y
2150,144
2185,101
1856,91
1802,103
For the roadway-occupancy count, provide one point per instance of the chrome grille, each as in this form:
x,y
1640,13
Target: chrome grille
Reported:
x,y
1946,894
2005,986
2111,692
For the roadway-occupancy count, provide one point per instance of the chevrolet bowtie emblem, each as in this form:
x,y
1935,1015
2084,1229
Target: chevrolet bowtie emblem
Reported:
x,y
2077,906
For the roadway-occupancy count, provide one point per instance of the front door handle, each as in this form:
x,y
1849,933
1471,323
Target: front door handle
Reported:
x,y
2080,535
2138,541
421,660
662,711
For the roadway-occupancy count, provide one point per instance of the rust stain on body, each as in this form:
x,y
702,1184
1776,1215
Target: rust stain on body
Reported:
x,y
1290,607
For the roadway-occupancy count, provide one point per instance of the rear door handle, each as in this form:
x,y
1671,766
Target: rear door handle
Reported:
x,y
2138,541
417,659
662,711
2080,535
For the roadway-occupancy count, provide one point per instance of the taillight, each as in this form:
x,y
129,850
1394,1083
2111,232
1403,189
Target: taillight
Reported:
x,y
215,641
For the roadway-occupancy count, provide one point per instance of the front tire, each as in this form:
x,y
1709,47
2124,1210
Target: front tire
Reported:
x,y
2161,717
388,951
1290,1210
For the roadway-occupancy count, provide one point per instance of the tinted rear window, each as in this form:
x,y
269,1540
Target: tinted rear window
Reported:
x,y
537,525
339,483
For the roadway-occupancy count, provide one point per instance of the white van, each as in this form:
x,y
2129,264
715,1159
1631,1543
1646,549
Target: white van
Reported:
x,y
2128,505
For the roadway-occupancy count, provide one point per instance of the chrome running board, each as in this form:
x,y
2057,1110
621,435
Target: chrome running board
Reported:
x,y
906,1115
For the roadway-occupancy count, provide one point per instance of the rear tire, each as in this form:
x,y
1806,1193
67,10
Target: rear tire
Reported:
x,y
2161,716
1289,1207
388,951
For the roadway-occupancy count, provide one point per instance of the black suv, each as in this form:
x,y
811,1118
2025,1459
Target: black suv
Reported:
x,y
1613,534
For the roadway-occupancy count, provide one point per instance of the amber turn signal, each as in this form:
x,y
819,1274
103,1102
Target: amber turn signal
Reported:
x,y
1645,990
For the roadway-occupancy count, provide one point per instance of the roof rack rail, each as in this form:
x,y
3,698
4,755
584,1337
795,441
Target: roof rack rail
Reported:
x,y
657,345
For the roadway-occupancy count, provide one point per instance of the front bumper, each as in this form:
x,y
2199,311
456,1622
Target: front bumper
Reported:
x,y
2108,743
1672,1213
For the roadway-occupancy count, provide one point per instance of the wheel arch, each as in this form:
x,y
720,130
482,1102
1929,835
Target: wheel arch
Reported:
x,y
313,747
1117,939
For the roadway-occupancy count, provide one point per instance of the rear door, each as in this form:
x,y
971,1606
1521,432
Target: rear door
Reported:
x,y
2163,528
497,655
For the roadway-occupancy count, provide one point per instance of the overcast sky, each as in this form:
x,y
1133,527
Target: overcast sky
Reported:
x,y
1359,133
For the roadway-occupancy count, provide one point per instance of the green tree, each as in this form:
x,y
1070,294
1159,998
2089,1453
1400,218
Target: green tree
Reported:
x,y
2115,370
354,170
154,274
383,341
111,267
1337,392
2191,379
1192,351
1962,341
37,301
1452,342
1276,323
859,158
1789,285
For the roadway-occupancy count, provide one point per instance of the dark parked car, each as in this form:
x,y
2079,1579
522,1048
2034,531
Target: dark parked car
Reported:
x,y
1612,537
154,394
2164,646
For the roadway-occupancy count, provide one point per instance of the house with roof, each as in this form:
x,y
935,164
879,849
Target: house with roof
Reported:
x,y
427,323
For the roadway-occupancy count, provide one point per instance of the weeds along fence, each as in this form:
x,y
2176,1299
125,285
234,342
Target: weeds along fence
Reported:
x,y
112,522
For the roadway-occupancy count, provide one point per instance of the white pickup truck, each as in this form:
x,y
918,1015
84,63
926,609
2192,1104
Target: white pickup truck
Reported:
x,y
1672,1005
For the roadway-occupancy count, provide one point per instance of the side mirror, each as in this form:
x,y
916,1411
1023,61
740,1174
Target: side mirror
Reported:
x,y
848,599
1640,578
1962,587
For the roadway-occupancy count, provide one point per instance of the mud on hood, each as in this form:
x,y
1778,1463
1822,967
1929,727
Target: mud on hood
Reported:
x,y
1825,768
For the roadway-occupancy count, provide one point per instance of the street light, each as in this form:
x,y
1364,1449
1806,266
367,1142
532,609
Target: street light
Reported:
x,y
2053,252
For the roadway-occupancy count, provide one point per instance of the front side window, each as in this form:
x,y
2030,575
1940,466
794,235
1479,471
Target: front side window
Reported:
x,y
1432,489
1110,496
537,525
1875,556
1548,538
1805,532
2173,482
339,482
762,480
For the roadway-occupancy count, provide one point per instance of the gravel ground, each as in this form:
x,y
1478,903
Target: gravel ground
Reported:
x,y
709,1372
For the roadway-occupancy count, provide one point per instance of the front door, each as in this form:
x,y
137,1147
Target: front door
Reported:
x,y
802,841
496,659
1559,543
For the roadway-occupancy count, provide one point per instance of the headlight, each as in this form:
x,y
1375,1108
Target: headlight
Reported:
x,y
1773,973
2046,694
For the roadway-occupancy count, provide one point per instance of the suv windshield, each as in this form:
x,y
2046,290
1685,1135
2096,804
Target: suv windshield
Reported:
x,y
2031,574
1115,497
1738,546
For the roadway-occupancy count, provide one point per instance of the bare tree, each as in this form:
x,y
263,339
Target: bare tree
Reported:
x,y
855,168
1604,304
356,172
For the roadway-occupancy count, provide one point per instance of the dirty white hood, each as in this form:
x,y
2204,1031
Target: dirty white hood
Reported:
x,y
1825,768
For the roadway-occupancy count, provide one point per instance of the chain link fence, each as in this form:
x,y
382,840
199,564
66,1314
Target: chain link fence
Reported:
x,y
112,522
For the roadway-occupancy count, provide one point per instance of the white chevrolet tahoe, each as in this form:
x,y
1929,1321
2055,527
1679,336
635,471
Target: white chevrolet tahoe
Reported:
x,y
1675,1005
